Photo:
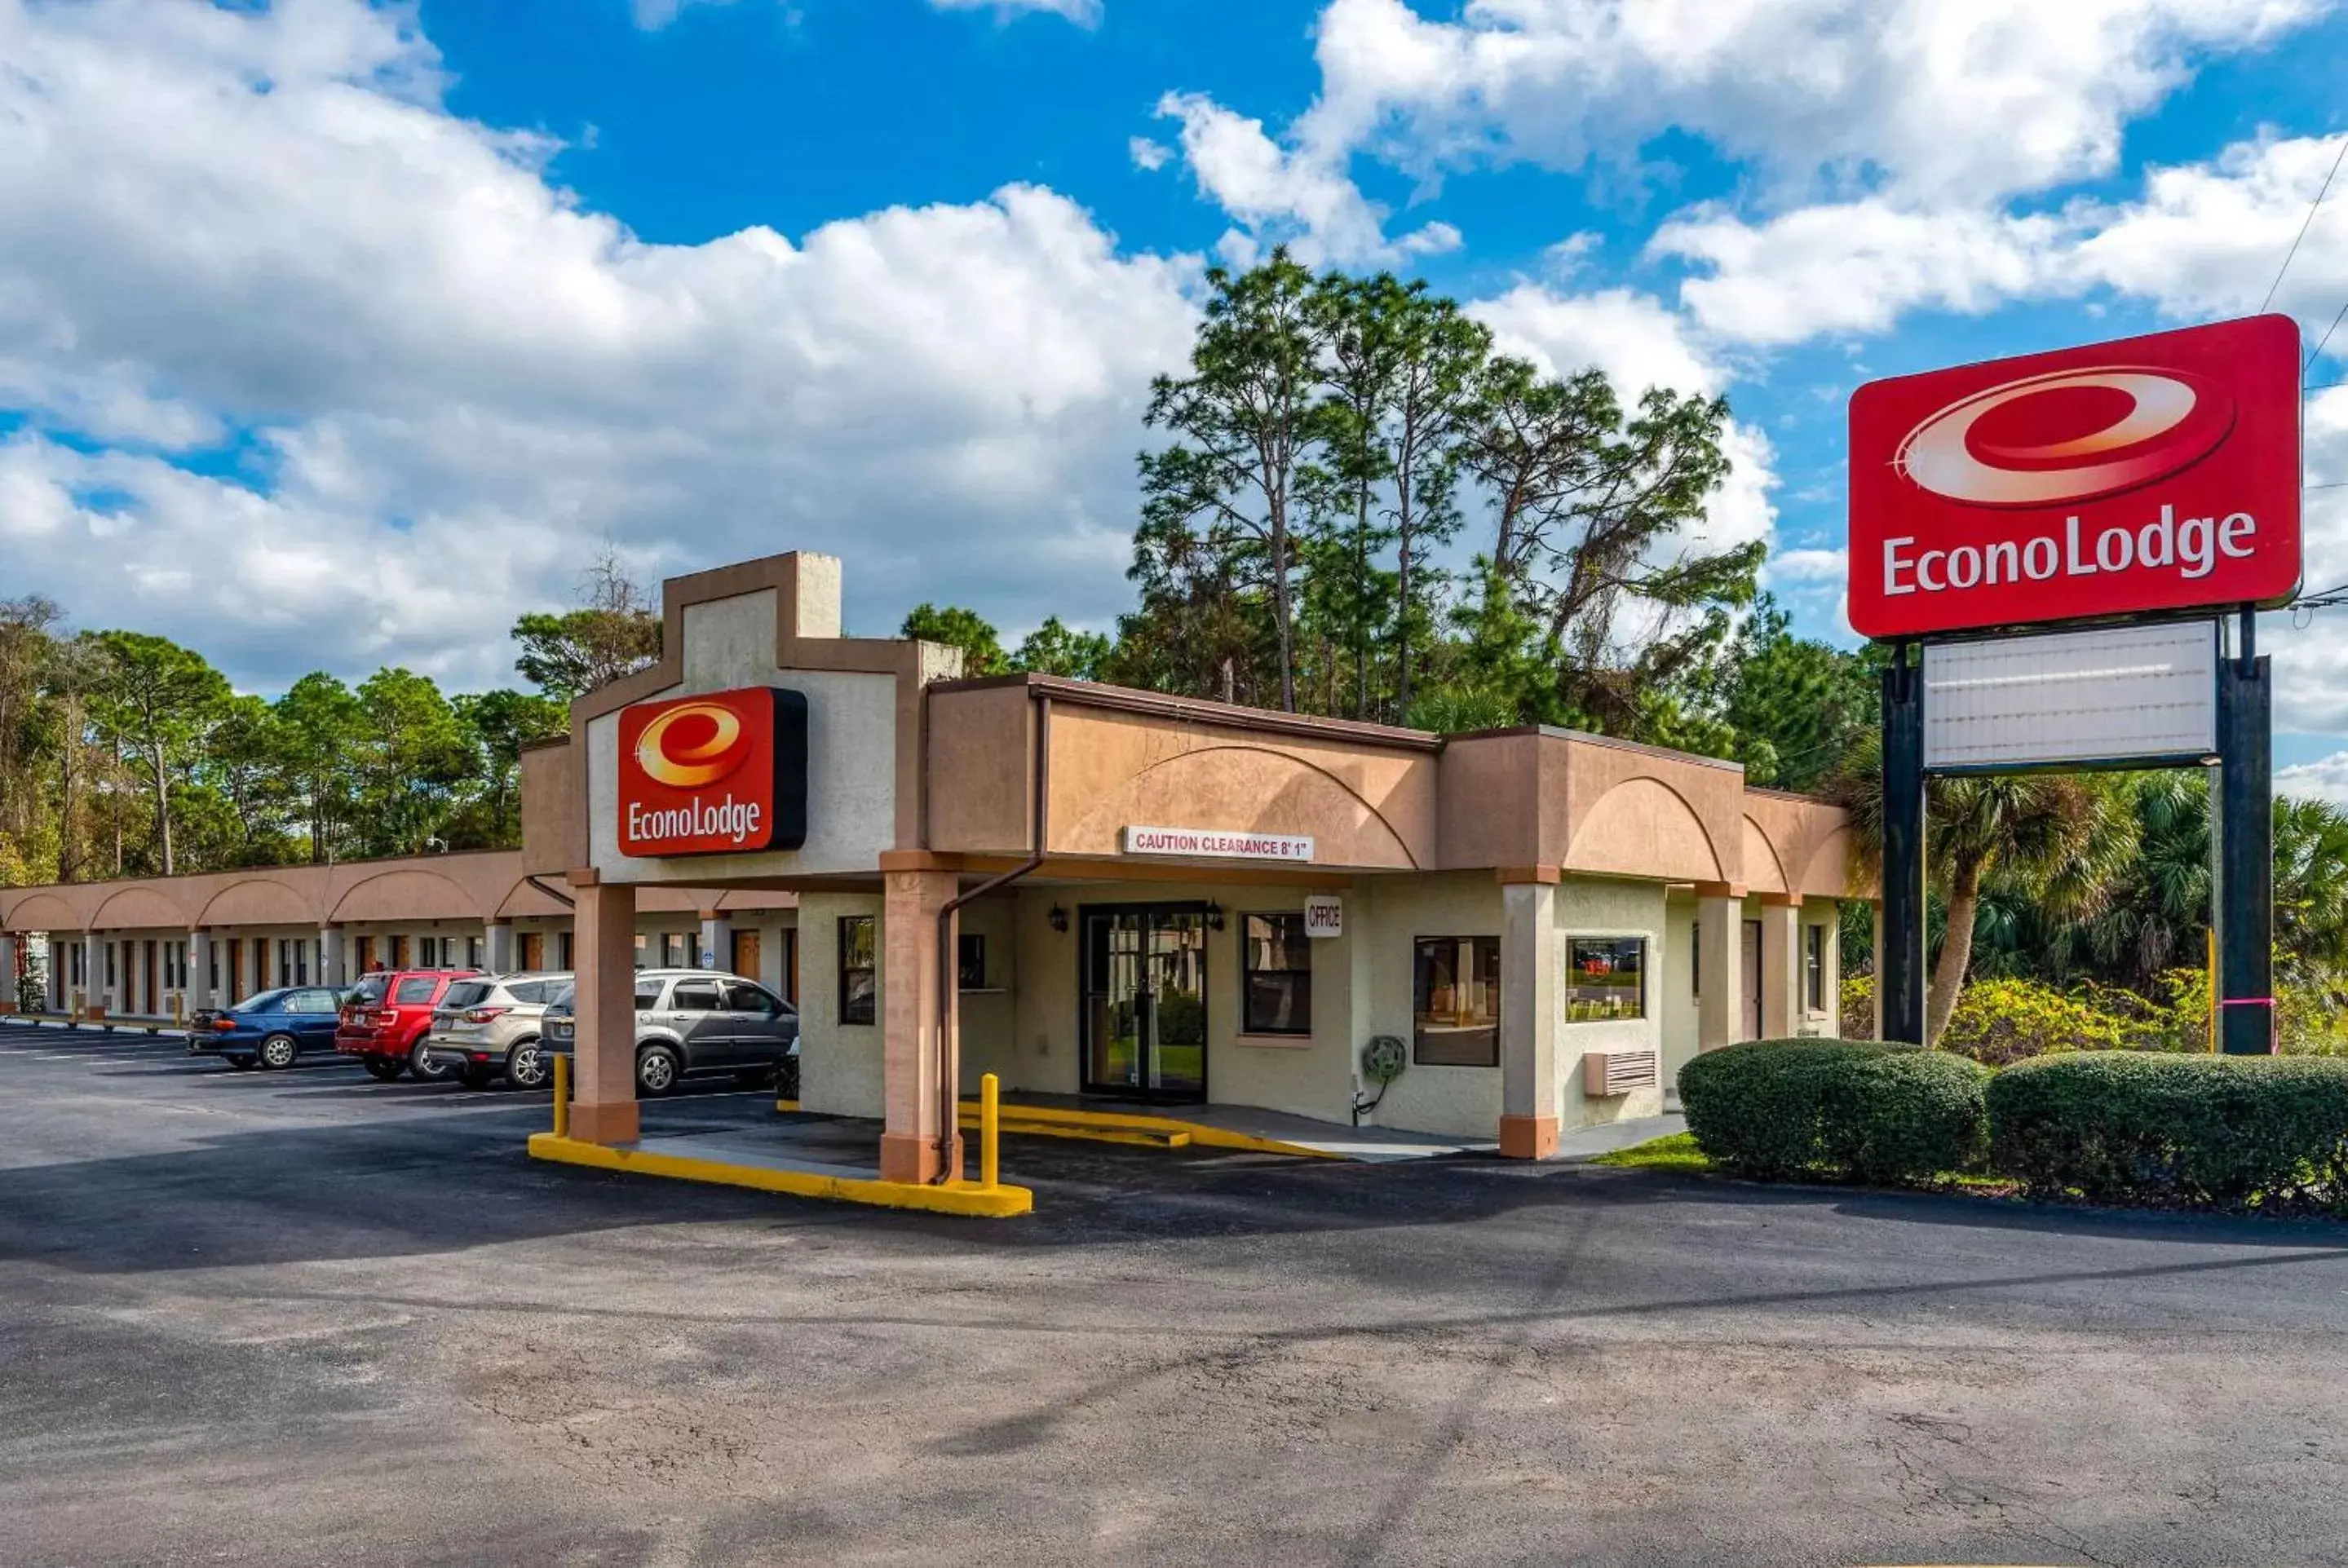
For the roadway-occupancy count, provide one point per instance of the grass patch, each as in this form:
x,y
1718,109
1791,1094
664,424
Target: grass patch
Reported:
x,y
1673,1152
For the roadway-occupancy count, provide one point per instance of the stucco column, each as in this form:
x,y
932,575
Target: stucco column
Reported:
x,y
200,968
9,948
717,941
1720,964
918,886
603,1060
498,947
1528,981
96,995
333,967
1781,959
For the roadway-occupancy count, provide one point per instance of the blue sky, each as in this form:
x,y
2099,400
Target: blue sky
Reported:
x,y
334,333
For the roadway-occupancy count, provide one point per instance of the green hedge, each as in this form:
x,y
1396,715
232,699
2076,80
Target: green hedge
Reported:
x,y
1834,1108
2139,1127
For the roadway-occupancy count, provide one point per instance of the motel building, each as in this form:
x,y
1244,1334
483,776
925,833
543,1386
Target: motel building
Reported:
x,y
1086,890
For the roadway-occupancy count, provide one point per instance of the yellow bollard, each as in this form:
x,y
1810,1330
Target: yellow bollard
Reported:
x,y
563,1097
990,1117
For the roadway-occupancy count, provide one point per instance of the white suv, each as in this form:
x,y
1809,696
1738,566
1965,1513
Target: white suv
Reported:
x,y
487,1025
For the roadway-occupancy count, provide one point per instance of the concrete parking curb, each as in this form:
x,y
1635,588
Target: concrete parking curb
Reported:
x,y
965,1198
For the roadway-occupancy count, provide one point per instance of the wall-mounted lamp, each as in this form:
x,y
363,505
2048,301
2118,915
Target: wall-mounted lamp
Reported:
x,y
1059,918
1214,916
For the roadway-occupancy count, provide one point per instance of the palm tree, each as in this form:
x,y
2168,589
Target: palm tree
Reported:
x,y
2061,837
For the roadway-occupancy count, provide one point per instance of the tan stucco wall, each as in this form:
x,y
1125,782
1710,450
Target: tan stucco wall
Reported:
x,y
1458,1101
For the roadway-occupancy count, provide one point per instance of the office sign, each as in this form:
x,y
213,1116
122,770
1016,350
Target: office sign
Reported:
x,y
2126,695
2141,477
720,773
1217,844
1324,914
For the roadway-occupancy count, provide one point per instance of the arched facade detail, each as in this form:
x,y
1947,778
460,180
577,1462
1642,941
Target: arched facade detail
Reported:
x,y
1765,868
405,895
1238,788
40,912
257,901
1645,827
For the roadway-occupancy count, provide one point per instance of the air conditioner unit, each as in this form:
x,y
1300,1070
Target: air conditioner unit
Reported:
x,y
1607,1072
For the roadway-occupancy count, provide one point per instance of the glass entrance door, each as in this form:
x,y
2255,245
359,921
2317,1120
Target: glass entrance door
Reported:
x,y
1145,1002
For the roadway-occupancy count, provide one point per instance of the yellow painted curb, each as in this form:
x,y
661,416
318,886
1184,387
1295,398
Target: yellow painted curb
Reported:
x,y
1119,1127
781,1105
954,1198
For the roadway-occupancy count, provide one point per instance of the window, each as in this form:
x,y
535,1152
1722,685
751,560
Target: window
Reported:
x,y
1276,976
415,992
1814,968
528,993
1606,978
676,950
751,1001
648,995
314,1002
1457,989
472,952
693,996
562,949
858,970
1695,959
110,966
642,950
969,971
370,991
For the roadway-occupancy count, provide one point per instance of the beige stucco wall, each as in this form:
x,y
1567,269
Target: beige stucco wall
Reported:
x,y
1457,1102
1593,906
1676,983
851,754
839,1064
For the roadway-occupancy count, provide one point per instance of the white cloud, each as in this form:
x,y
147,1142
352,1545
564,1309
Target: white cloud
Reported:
x,y
1810,566
1287,195
2325,780
1854,267
1972,99
451,382
1148,156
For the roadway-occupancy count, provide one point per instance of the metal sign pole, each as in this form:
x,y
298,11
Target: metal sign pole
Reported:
x,y
1900,963
2241,901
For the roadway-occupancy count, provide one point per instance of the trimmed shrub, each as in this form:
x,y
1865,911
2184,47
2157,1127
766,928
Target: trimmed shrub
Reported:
x,y
2143,1127
1834,1108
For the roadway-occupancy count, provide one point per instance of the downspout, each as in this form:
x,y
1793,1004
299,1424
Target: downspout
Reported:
x,y
949,987
566,899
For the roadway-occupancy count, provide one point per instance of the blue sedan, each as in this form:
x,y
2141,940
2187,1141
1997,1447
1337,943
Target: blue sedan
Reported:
x,y
272,1029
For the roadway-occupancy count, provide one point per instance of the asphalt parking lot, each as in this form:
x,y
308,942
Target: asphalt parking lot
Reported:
x,y
304,1317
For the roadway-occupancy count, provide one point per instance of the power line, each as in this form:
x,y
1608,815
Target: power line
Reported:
x,y
2322,191
2327,335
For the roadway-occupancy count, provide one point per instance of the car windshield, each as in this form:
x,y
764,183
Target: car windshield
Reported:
x,y
467,993
267,1001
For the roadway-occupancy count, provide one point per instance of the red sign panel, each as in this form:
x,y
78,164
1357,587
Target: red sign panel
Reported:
x,y
720,773
2148,475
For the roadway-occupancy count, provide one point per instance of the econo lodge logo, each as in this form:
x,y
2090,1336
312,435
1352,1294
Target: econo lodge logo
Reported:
x,y
721,773
2154,475
695,745
2069,436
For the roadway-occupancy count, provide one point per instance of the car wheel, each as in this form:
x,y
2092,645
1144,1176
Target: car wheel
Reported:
x,y
278,1051
383,1069
526,1068
656,1071
423,1068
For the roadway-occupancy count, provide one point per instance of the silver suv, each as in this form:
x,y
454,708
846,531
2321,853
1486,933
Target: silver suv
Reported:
x,y
691,1022
487,1025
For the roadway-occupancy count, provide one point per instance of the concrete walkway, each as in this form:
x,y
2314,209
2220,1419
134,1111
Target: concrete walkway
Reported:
x,y
1588,1142
1332,1139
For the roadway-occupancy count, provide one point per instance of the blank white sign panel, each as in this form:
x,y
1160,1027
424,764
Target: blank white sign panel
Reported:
x,y
2133,692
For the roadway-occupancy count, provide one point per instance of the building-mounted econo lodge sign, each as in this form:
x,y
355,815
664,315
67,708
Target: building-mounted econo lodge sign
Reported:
x,y
2146,476
1219,844
724,772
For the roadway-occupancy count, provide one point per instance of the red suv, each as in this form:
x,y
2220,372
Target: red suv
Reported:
x,y
387,1016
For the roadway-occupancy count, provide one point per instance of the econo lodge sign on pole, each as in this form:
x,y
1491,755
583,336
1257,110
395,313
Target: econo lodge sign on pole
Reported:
x,y
723,773
2148,475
